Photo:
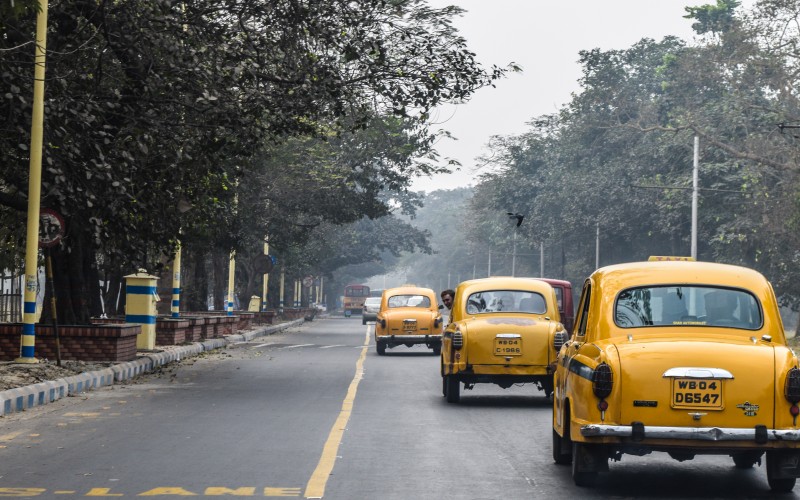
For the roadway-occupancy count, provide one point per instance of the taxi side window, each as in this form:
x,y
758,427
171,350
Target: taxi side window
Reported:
x,y
583,311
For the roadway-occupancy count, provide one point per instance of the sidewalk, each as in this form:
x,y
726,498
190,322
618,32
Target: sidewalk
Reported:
x,y
29,396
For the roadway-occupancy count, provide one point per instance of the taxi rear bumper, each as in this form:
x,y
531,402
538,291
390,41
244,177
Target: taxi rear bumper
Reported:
x,y
410,339
758,434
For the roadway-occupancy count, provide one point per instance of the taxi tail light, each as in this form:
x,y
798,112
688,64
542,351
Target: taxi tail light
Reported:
x,y
602,381
559,340
458,339
791,390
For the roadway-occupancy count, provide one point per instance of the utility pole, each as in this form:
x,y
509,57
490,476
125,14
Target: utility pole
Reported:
x,y
597,247
27,340
514,254
695,176
541,259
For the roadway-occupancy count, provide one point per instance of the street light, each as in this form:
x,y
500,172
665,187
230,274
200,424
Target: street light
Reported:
x,y
518,217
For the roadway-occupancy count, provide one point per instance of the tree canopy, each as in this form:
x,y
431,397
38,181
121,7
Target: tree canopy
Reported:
x,y
617,159
153,107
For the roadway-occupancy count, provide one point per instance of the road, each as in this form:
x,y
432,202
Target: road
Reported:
x,y
315,412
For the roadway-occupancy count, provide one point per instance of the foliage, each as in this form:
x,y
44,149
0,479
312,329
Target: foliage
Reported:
x,y
152,106
617,159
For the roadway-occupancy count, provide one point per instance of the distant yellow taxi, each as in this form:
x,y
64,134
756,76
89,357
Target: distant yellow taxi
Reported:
x,y
686,358
409,315
503,331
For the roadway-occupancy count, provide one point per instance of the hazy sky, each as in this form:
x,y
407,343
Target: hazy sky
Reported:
x,y
544,37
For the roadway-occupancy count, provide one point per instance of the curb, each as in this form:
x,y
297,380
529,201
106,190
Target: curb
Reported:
x,y
30,396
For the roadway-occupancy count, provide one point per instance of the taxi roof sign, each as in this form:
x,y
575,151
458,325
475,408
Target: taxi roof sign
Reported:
x,y
661,258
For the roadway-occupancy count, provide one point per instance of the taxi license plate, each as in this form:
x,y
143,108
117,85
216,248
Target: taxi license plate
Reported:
x,y
696,393
508,346
409,325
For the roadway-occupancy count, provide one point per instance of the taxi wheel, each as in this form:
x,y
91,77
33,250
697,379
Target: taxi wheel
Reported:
x,y
584,468
380,347
562,454
777,484
452,389
363,321
437,349
444,386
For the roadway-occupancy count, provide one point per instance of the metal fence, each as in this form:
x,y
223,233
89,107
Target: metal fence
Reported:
x,y
10,298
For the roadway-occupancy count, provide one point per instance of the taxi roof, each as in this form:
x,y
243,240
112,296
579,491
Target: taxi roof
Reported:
x,y
656,272
409,290
501,282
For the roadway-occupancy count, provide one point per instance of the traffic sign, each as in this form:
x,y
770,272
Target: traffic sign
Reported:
x,y
51,228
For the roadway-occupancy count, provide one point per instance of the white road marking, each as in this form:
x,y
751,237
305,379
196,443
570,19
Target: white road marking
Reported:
x,y
298,345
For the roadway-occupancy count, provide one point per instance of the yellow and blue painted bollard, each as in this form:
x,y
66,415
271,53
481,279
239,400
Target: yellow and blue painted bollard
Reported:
x,y
231,273
282,289
141,295
176,284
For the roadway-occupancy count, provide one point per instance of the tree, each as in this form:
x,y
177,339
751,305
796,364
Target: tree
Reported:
x,y
153,104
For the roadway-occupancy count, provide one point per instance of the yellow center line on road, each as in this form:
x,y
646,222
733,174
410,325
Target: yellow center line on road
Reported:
x,y
315,488
10,436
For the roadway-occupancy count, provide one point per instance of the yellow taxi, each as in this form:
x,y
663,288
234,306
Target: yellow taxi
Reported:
x,y
409,315
503,331
686,358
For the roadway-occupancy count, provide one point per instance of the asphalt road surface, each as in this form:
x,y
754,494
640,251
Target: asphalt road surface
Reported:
x,y
314,412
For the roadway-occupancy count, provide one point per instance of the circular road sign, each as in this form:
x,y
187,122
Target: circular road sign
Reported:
x,y
51,227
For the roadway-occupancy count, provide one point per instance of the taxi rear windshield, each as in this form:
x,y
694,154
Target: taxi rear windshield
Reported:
x,y
408,301
506,301
687,306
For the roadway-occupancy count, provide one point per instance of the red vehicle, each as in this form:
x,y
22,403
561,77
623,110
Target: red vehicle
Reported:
x,y
354,297
566,307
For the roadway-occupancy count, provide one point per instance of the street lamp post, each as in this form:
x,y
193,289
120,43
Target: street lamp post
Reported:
x,y
518,217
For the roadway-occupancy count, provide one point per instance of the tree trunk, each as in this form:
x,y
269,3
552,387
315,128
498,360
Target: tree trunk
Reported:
x,y
221,261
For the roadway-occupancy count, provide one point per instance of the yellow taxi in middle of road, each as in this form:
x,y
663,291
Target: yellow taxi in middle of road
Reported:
x,y
503,331
409,315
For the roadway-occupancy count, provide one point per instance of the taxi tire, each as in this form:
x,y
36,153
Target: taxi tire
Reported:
x,y
380,347
437,349
444,386
452,388
582,455
777,484
559,455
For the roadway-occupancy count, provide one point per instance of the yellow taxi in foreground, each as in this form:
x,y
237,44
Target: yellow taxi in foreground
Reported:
x,y
409,315
503,331
686,358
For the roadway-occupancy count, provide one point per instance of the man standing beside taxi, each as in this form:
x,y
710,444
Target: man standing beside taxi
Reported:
x,y
447,300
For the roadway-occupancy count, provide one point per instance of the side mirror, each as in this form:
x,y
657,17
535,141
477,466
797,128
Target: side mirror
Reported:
x,y
441,306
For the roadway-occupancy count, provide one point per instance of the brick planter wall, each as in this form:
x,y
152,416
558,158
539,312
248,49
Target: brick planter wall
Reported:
x,y
210,327
194,332
290,313
106,342
171,331
263,317
225,326
245,320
